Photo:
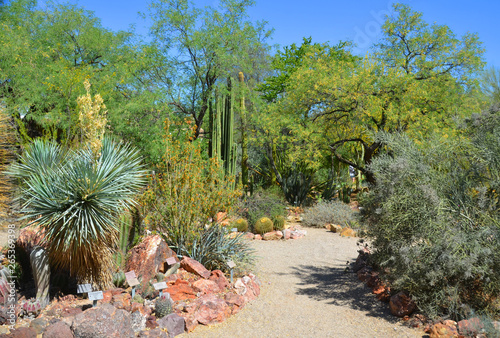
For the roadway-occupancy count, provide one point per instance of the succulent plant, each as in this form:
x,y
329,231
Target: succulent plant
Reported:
x,y
5,286
163,305
32,307
41,272
138,299
119,279
160,277
263,225
279,222
241,224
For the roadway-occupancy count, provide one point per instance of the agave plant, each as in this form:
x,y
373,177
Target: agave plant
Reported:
x,y
76,197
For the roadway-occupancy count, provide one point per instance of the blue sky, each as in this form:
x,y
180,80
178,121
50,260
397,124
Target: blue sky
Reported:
x,y
333,20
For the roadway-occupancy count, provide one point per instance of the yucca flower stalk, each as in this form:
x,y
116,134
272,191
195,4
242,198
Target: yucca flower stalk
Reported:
x,y
76,198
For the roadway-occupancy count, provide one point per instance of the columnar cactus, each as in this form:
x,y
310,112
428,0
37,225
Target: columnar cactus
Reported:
x,y
41,272
6,287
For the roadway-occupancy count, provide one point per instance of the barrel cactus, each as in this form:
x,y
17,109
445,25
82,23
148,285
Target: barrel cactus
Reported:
x,y
279,222
163,305
241,224
263,225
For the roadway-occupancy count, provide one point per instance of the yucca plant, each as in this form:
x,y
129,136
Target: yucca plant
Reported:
x,y
76,197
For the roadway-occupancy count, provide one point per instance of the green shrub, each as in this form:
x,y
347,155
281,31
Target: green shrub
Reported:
x,y
241,224
263,203
263,225
119,279
279,222
433,220
327,212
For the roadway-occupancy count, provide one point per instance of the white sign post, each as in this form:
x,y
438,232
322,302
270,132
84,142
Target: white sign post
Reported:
x,y
231,266
132,281
95,296
160,286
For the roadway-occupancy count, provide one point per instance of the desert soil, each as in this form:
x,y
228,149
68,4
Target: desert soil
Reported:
x,y
307,292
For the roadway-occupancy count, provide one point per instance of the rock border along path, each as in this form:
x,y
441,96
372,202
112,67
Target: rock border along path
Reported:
x,y
306,292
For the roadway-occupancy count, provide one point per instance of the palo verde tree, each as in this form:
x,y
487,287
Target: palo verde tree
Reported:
x,y
201,48
418,78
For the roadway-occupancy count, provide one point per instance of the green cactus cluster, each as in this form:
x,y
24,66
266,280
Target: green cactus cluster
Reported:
x,y
119,279
138,299
241,224
163,306
279,222
263,225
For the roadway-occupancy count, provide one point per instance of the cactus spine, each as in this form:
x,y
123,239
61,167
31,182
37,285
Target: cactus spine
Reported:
x,y
41,272
163,305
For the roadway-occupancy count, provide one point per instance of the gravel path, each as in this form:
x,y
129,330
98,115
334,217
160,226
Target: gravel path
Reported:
x,y
305,292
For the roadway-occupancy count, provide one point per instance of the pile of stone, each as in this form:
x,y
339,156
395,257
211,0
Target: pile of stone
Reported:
x,y
289,233
199,297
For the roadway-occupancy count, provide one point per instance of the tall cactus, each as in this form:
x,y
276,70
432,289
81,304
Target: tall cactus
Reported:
x,y
41,272
244,141
222,130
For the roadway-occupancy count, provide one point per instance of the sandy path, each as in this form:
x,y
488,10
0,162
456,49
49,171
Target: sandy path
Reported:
x,y
306,293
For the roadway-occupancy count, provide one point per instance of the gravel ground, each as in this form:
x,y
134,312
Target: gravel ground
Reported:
x,y
306,292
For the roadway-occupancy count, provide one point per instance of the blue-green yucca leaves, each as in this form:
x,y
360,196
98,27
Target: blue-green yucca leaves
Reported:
x,y
77,203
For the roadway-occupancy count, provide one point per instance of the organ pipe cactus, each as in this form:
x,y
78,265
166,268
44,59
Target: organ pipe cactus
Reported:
x,y
9,297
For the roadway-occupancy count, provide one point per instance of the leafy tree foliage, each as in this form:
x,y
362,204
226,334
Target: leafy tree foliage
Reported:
x,y
417,80
201,48
491,84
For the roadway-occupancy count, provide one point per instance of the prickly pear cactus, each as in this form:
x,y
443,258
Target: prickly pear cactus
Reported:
x,y
41,272
32,308
163,305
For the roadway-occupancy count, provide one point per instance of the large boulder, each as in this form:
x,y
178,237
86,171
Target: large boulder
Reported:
x,y
104,321
173,323
206,286
218,277
195,267
211,309
180,290
273,235
58,330
149,257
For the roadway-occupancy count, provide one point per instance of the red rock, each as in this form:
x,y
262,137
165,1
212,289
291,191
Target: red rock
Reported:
x,y
441,330
70,311
180,291
143,310
234,299
195,267
257,237
154,333
218,277
149,257
470,327
107,296
23,332
249,235
287,233
206,286
220,216
58,330
29,237
190,321
103,321
401,305
173,323
273,235
151,322
373,280
364,274
122,301
211,309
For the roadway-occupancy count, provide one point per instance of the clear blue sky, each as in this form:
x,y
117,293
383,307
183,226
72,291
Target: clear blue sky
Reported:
x,y
333,20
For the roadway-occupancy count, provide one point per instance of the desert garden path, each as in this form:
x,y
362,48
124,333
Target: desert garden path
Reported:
x,y
305,292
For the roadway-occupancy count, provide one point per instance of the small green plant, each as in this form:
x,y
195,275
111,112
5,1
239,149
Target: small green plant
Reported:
x,y
334,212
160,277
263,225
279,222
119,279
138,299
163,306
264,203
241,224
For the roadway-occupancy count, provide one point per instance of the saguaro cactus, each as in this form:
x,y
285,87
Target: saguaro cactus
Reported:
x,y
244,141
41,272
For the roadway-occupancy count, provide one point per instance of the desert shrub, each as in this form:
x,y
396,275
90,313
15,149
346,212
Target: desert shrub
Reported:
x,y
241,224
279,222
186,192
433,218
263,225
326,212
264,203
